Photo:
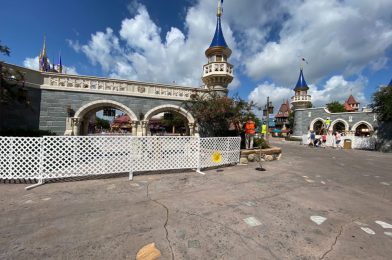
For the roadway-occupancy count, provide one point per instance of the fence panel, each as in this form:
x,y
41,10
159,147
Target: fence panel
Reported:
x,y
85,155
165,152
65,156
215,151
20,157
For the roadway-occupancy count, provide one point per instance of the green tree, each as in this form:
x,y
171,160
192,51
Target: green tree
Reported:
x,y
335,107
173,119
382,104
219,116
11,82
4,49
102,123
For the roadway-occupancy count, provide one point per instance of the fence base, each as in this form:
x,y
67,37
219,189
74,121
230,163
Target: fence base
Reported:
x,y
200,172
40,182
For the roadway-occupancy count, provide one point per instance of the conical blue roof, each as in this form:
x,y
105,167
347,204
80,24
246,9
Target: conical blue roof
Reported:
x,y
301,83
218,39
390,84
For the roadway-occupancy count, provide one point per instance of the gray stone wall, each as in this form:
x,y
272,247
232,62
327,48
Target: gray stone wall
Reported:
x,y
54,106
304,117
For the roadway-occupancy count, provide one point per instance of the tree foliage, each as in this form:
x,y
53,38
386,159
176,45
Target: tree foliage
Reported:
x,y
219,116
382,104
4,49
173,119
102,123
11,82
336,107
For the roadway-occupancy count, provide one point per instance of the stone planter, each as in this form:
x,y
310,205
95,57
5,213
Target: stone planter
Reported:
x,y
270,154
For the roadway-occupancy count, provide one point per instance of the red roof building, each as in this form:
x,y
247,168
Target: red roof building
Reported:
x,y
351,105
282,117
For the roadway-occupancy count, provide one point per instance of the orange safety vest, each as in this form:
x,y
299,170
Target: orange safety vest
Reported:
x,y
250,127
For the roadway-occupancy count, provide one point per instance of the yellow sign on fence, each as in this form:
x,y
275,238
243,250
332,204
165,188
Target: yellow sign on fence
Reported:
x,y
216,157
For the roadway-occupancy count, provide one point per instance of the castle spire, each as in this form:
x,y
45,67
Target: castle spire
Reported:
x,y
219,39
301,83
43,61
43,52
218,73
390,84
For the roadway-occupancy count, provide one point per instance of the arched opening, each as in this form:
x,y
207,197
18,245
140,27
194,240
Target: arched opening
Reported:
x,y
362,128
339,127
168,120
318,127
168,123
104,117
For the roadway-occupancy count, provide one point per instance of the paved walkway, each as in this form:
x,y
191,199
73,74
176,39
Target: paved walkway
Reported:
x,y
313,204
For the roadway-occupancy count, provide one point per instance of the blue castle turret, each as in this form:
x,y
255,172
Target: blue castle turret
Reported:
x,y
301,83
218,73
301,99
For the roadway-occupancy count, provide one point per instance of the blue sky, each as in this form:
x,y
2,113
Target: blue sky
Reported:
x,y
348,43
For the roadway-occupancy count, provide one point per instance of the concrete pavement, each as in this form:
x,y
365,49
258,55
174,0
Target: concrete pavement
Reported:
x,y
312,204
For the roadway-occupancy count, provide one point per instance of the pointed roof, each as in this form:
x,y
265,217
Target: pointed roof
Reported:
x,y
347,107
390,84
301,83
284,109
351,100
219,39
43,52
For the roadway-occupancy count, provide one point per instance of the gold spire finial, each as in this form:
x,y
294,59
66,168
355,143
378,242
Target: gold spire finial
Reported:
x,y
219,12
44,47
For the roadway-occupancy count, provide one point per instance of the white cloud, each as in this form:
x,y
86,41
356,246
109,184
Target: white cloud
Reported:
x,y
140,53
32,63
267,38
335,36
277,94
338,89
75,45
335,89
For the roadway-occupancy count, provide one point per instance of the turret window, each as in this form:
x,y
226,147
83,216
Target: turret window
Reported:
x,y
219,58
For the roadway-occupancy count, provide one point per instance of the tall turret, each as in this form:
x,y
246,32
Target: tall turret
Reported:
x,y
43,59
218,73
301,99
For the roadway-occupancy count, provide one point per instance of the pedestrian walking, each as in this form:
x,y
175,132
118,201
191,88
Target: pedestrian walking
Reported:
x,y
338,138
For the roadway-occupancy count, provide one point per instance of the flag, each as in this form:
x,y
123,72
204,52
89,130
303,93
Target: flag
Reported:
x,y
303,59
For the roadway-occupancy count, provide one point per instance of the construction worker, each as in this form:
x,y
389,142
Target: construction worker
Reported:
x,y
327,123
250,127
264,131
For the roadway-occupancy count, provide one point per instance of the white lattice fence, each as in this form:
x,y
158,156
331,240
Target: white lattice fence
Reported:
x,y
85,155
165,152
71,156
226,150
20,157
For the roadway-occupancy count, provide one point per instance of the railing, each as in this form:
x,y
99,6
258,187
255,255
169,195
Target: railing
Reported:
x,y
133,88
301,98
217,68
54,157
